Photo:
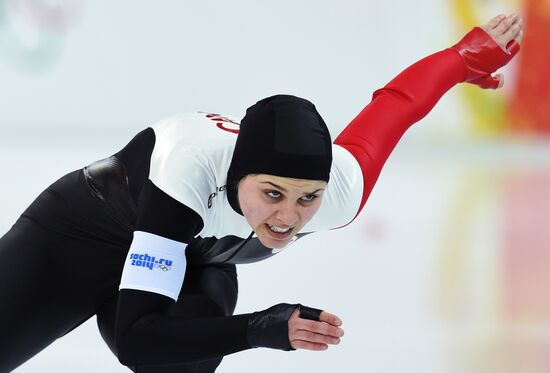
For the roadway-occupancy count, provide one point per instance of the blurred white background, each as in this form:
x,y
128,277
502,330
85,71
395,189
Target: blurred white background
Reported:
x,y
446,268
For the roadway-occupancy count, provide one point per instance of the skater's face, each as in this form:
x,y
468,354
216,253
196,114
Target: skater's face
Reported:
x,y
278,207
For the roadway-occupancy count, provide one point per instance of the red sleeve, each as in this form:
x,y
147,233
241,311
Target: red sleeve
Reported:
x,y
409,97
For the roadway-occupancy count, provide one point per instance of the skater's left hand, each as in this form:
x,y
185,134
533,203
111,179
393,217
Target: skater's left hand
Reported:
x,y
489,47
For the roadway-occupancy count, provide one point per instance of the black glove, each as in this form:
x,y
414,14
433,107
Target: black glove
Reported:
x,y
269,328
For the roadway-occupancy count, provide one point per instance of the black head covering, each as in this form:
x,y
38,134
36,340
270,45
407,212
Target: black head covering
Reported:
x,y
284,136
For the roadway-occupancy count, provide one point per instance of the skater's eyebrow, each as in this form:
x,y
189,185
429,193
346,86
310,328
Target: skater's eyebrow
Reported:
x,y
286,191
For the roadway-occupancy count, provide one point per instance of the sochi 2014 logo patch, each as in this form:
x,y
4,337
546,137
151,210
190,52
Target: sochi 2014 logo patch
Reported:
x,y
151,262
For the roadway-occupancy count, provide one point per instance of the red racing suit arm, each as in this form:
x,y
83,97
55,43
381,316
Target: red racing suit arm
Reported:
x,y
373,134
410,96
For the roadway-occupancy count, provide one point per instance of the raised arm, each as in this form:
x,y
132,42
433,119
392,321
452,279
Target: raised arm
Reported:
x,y
374,133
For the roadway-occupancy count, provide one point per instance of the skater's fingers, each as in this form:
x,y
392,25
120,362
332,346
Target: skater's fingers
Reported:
x,y
330,318
519,37
494,22
299,344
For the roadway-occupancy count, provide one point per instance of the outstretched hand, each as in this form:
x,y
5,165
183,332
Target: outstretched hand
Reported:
x,y
314,335
504,29
487,48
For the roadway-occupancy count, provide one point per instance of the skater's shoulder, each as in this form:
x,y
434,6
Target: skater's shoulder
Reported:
x,y
195,127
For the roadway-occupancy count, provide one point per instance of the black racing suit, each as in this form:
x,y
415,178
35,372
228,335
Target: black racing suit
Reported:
x,y
62,261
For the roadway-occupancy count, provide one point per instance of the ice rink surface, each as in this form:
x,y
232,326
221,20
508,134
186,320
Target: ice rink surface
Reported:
x,y
429,278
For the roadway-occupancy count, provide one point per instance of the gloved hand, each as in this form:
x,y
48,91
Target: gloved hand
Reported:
x,y
487,48
306,327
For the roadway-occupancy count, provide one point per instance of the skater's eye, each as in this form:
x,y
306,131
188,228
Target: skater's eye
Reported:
x,y
309,197
273,194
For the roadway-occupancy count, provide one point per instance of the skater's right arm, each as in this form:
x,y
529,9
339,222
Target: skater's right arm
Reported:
x,y
147,335
151,281
145,331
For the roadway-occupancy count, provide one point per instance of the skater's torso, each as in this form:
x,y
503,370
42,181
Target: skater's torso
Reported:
x,y
187,157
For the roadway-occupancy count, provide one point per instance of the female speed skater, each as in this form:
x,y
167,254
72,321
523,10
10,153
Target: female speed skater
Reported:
x,y
148,238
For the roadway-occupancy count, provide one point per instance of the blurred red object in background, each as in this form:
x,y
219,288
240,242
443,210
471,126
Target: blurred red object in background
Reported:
x,y
529,109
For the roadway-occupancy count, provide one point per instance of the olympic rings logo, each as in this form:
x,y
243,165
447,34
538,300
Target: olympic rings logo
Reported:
x,y
34,31
151,262
163,267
